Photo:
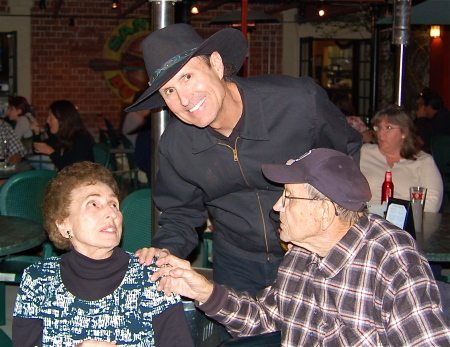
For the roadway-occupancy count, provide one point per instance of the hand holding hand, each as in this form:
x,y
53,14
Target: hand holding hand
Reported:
x,y
42,148
177,276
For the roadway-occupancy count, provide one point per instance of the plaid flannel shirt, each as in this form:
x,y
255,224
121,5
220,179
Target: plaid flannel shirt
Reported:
x,y
374,288
14,144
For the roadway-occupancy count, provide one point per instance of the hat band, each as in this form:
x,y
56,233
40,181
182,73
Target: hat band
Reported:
x,y
171,62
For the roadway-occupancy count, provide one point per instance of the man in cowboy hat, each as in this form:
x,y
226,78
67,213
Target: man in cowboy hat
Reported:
x,y
350,278
210,154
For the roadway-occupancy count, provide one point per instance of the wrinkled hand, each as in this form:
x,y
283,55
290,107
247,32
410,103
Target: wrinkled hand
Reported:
x,y
88,343
177,276
146,255
42,148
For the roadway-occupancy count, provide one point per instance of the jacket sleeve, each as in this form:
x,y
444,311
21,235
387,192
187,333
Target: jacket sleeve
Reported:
x,y
182,210
431,178
333,130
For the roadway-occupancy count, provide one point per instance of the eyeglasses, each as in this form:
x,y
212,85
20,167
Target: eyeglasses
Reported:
x,y
378,128
284,197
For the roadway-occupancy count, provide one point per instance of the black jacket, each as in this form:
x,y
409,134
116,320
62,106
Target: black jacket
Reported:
x,y
284,118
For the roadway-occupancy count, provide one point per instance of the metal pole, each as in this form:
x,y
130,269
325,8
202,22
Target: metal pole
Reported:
x,y
374,61
163,14
400,36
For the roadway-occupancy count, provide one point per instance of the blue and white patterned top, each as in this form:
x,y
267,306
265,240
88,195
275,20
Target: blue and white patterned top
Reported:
x,y
124,316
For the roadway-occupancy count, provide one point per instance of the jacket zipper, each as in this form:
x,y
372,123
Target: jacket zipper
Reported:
x,y
236,159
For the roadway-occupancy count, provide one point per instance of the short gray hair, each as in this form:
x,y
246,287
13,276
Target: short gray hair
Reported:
x,y
344,214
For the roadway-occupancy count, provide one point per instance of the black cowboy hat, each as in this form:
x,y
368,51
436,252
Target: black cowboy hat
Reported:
x,y
167,50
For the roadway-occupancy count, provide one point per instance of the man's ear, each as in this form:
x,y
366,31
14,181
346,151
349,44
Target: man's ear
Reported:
x,y
216,63
328,214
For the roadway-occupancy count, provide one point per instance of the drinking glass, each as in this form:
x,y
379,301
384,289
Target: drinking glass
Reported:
x,y
418,195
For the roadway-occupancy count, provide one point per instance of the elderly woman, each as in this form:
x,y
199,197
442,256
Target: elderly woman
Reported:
x,y
96,294
69,140
398,150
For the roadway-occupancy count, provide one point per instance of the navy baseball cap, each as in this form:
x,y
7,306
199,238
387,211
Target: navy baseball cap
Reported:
x,y
332,173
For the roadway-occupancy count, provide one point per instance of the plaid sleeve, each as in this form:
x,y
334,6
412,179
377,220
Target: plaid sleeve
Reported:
x,y
245,316
15,146
416,315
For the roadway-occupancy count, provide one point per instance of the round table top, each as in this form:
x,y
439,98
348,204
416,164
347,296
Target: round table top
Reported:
x,y
19,234
14,168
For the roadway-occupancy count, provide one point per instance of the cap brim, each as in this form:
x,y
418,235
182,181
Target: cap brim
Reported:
x,y
231,45
284,174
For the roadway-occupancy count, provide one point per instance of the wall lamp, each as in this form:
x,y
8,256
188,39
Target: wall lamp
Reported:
x,y
435,31
194,10
115,4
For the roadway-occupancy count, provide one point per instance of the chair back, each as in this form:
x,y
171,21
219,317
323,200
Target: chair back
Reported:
x,y
101,154
137,223
22,194
440,149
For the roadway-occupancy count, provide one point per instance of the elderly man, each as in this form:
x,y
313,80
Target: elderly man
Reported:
x,y
211,153
349,279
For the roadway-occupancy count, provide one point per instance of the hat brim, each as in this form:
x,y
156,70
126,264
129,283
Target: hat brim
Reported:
x,y
284,174
229,43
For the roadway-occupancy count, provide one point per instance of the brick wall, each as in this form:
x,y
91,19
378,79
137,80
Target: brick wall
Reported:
x,y
62,48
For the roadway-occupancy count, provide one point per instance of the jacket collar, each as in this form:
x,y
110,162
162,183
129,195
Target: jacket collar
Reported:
x,y
255,127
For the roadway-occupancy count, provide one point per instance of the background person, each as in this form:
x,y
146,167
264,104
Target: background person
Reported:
x,y
96,291
20,112
349,279
343,102
133,121
210,154
16,150
69,140
398,150
432,118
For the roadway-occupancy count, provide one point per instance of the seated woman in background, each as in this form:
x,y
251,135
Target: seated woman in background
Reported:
x,y
69,140
398,150
20,112
96,291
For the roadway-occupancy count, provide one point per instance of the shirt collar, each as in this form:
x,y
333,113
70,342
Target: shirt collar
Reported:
x,y
346,249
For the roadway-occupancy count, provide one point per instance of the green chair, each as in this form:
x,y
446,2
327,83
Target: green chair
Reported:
x,y
137,223
133,170
102,154
440,149
5,341
22,196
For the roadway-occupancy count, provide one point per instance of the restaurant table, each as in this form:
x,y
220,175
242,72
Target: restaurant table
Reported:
x,y
434,240
19,234
16,235
14,168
